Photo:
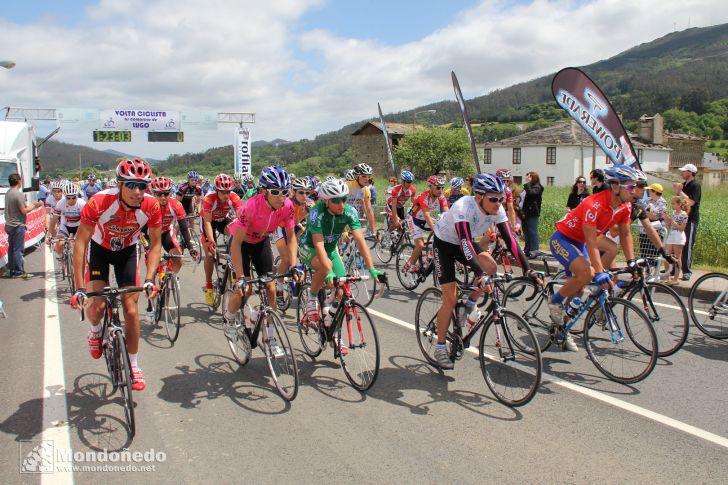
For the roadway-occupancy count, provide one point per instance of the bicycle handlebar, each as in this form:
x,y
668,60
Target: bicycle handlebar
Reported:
x,y
264,279
109,291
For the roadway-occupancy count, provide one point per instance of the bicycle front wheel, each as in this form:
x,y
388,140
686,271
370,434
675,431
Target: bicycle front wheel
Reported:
x,y
358,347
428,306
668,315
123,379
280,357
68,262
171,308
510,359
308,332
708,304
525,298
384,246
408,280
620,341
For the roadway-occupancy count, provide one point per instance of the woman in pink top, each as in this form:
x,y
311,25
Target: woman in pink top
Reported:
x,y
258,217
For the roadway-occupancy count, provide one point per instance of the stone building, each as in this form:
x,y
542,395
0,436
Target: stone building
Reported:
x,y
367,145
685,148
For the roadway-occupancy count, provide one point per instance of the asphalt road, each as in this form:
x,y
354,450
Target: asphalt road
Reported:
x,y
204,419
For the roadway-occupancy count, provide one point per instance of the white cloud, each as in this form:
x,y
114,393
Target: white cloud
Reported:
x,y
242,55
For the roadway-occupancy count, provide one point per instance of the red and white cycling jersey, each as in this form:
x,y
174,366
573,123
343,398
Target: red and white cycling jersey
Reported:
x,y
171,213
114,227
595,211
427,201
211,205
400,194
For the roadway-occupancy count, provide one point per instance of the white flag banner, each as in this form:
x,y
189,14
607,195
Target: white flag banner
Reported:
x,y
131,119
243,149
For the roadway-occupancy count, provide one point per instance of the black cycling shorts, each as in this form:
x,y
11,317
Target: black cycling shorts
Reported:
x,y
168,242
261,256
446,254
123,261
218,227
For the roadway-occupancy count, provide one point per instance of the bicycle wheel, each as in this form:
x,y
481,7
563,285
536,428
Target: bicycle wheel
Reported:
x,y
526,299
409,281
666,312
510,359
68,262
428,306
240,344
620,341
359,335
282,367
158,304
123,377
171,307
708,304
309,332
384,246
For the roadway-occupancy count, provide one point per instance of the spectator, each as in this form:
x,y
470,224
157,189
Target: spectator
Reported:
x,y
373,192
15,217
597,180
690,189
44,189
655,209
469,183
676,238
392,183
531,213
578,193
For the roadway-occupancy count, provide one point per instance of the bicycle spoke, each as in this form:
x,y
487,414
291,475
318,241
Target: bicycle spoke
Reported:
x,y
359,336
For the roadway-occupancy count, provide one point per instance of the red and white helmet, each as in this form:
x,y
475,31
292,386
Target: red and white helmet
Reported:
x,y
436,180
133,170
224,182
161,184
504,173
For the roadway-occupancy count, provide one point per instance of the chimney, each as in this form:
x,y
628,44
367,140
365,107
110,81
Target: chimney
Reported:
x,y
658,130
647,128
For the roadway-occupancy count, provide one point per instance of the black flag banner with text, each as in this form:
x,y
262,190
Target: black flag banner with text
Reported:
x,y
588,105
466,119
386,140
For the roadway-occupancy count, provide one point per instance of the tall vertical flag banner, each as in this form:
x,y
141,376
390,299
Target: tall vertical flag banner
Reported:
x,y
588,105
386,141
466,119
243,152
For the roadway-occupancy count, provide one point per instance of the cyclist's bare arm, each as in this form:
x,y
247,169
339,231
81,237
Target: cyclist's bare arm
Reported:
x,y
358,235
236,253
292,248
590,236
154,253
83,236
209,234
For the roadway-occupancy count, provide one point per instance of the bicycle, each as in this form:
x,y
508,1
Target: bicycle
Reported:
x,y
66,260
389,242
708,304
194,238
362,289
242,337
609,349
425,266
167,304
114,349
356,344
224,283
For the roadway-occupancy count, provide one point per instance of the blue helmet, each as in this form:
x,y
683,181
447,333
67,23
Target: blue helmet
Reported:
x,y
456,182
488,183
407,176
274,177
313,182
623,173
193,175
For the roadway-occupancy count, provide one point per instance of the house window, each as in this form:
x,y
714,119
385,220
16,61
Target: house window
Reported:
x,y
488,156
551,155
516,156
550,181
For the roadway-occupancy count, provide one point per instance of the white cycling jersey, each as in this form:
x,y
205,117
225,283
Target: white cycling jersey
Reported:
x,y
466,210
70,215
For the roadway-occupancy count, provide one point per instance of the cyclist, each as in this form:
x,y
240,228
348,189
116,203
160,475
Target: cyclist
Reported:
x,y
398,199
453,241
55,196
90,187
419,218
172,211
238,187
326,222
68,212
257,218
360,198
190,194
301,188
507,177
216,208
574,243
110,225
250,189
455,191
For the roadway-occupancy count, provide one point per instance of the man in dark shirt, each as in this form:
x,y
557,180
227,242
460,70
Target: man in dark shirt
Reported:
x,y
690,189
597,180
15,217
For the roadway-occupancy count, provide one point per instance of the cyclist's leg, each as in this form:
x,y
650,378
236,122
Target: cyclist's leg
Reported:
x,y
208,260
262,258
61,232
127,274
571,256
170,245
419,239
96,277
236,298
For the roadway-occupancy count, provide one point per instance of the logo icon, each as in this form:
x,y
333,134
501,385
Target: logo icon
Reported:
x,y
37,457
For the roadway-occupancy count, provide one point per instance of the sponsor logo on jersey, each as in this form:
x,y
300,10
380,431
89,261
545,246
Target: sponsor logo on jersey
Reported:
x,y
466,249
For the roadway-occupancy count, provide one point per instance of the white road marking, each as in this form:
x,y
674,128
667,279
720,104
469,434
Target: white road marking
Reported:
x,y
640,411
55,412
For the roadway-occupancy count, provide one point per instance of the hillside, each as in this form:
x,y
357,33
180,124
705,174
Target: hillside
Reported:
x,y
59,156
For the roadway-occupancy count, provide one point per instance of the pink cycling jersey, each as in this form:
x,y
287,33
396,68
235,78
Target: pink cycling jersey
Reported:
x,y
259,219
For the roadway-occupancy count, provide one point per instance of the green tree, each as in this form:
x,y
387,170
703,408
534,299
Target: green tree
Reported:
x,y
433,150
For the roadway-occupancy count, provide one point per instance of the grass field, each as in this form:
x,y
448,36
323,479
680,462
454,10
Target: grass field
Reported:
x,y
711,251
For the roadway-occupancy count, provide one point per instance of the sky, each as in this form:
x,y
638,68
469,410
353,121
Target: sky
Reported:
x,y
304,67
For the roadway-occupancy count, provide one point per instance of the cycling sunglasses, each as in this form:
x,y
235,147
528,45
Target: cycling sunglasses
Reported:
x,y
136,185
338,200
303,192
162,194
283,192
629,186
226,192
70,197
438,187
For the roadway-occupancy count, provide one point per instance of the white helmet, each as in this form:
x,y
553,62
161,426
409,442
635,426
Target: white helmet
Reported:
x,y
332,189
58,184
112,183
70,189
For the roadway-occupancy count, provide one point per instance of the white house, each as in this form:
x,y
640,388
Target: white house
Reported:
x,y
560,153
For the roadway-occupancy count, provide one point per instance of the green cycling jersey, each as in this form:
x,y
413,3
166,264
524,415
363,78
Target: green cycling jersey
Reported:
x,y
330,226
